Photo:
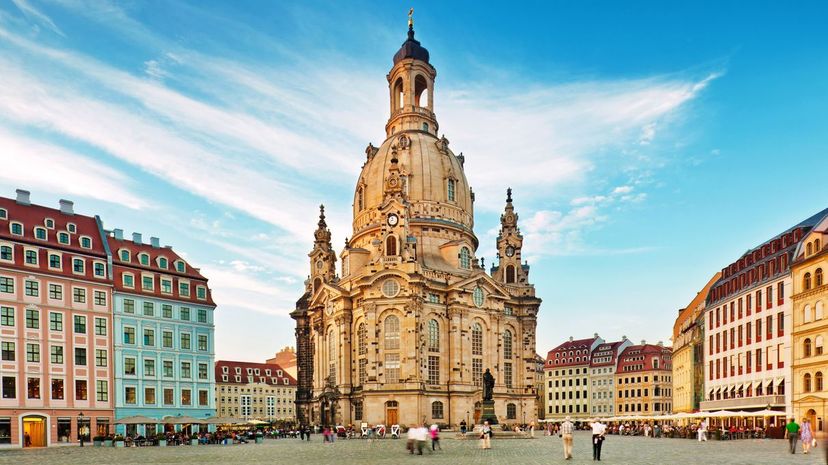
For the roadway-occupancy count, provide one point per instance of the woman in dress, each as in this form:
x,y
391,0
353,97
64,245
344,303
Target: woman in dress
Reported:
x,y
806,435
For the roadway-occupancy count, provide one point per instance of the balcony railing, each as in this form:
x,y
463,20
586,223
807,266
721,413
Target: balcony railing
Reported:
x,y
743,402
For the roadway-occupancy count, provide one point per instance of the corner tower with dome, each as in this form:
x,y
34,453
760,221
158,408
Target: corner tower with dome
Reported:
x,y
403,330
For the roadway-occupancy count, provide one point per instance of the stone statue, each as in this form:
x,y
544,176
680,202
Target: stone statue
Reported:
x,y
488,385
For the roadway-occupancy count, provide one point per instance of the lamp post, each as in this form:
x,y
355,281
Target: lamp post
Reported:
x,y
81,428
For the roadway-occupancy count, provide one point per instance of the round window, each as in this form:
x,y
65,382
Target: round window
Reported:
x,y
390,288
478,296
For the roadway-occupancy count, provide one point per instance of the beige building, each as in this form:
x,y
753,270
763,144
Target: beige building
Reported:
x,y
406,329
643,381
688,353
567,378
810,326
285,358
255,391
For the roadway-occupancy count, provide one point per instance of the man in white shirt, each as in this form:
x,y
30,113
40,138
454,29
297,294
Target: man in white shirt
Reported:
x,y
566,433
599,430
702,431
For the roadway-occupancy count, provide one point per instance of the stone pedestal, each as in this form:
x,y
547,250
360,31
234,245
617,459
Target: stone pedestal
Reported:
x,y
487,412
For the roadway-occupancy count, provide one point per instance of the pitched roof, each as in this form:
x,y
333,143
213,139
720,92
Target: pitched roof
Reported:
x,y
611,347
284,380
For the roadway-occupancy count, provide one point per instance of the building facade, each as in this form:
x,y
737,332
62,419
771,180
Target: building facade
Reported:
x,y
255,391
55,325
602,367
540,387
406,329
567,378
810,326
748,326
643,381
164,334
688,353
286,359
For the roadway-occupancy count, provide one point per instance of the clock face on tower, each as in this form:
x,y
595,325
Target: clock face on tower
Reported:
x,y
510,251
392,220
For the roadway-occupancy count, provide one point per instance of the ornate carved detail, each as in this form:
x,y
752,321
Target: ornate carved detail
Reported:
x,y
442,144
404,142
370,151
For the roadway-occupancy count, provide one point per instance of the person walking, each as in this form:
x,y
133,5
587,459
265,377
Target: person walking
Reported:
x,y
463,427
806,435
702,431
434,432
566,434
486,436
792,432
599,431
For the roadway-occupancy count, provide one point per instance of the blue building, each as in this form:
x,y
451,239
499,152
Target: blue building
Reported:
x,y
163,336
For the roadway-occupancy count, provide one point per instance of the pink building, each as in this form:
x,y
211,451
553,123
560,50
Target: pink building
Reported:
x,y
55,325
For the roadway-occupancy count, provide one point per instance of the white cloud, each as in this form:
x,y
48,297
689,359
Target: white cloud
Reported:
x,y
36,15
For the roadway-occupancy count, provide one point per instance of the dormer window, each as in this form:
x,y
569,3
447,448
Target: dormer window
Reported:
x,y
124,255
201,293
128,279
40,233
16,229
63,237
71,228
50,223
162,263
224,369
4,215
465,258
238,370
180,267
144,259
86,242
267,371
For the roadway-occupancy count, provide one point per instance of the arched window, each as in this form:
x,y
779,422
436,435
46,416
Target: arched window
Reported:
x,y
420,91
818,277
806,347
317,283
817,246
433,336
809,249
807,315
806,281
332,354
362,339
511,411
399,98
450,188
507,344
360,199
425,128
806,382
818,345
510,274
390,246
437,410
392,332
818,310
477,339
465,258
818,381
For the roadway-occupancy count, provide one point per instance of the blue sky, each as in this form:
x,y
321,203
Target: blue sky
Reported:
x,y
648,145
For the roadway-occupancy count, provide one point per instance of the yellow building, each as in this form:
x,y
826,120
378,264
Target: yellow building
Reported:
x,y
643,381
688,353
404,331
255,391
810,326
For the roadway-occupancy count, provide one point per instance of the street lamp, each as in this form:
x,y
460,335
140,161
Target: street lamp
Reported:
x,y
81,428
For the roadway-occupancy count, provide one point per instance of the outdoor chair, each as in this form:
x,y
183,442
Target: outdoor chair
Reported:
x,y
364,428
395,431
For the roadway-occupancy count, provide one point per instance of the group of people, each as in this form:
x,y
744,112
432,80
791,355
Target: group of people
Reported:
x,y
795,432
419,434
599,432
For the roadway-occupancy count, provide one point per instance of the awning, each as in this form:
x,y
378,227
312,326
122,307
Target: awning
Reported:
x,y
718,389
757,383
768,382
780,381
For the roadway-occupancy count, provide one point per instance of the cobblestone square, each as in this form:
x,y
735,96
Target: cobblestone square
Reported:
x,y
543,450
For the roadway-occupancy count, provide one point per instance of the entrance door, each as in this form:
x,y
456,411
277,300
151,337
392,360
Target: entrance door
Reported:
x,y
811,415
391,413
34,431
477,408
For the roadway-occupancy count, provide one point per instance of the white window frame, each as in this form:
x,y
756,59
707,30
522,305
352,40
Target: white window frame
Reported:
x,y
128,255
158,262
11,245
94,273
41,228
201,288
71,228
152,286
80,241
68,236
36,264
4,214
49,260
11,228
141,262
161,282
47,221
73,266
123,280
189,287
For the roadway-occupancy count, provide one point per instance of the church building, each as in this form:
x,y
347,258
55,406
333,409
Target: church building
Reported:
x,y
404,329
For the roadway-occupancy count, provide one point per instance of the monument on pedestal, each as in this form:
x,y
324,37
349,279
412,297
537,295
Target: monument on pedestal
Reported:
x,y
487,410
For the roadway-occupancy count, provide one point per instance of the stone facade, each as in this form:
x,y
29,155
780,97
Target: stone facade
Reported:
x,y
810,326
688,353
405,330
643,381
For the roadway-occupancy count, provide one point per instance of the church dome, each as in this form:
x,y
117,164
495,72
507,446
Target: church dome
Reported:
x,y
434,183
411,48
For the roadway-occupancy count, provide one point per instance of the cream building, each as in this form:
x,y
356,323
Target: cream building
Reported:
x,y
407,328
688,353
602,367
567,378
254,391
810,326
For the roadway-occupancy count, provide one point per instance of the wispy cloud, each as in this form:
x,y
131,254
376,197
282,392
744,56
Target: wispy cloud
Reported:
x,y
37,16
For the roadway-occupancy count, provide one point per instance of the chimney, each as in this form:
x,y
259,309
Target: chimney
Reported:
x,y
571,338
661,343
23,197
136,238
156,242
624,337
643,341
66,207
118,234
595,335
